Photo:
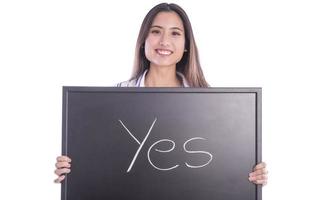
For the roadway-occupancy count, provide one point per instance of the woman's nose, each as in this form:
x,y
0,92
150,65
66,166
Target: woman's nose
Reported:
x,y
164,40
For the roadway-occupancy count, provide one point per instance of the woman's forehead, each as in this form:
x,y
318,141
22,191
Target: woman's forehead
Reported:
x,y
167,20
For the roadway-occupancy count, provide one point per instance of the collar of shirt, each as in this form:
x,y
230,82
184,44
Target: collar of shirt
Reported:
x,y
141,80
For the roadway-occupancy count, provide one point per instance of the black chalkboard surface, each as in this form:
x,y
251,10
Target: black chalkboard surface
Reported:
x,y
161,143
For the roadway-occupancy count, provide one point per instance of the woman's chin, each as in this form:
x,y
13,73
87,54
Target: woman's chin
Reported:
x,y
163,64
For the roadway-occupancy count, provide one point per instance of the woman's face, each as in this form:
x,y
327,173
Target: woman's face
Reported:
x,y
164,45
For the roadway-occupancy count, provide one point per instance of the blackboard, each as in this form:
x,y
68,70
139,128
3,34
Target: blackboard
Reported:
x,y
161,143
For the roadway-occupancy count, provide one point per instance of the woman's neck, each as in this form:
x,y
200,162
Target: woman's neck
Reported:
x,y
162,77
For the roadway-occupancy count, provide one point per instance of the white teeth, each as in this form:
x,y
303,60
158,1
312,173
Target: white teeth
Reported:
x,y
164,52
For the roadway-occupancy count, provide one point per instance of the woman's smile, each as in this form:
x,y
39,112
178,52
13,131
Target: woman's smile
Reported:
x,y
164,52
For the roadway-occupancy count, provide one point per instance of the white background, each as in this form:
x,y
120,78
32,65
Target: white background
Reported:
x,y
284,46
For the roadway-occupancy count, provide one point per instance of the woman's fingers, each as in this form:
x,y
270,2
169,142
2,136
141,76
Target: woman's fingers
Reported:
x,y
62,165
260,166
259,172
259,175
63,159
58,180
261,179
61,171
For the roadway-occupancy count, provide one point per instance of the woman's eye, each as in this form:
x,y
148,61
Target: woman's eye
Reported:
x,y
176,33
155,31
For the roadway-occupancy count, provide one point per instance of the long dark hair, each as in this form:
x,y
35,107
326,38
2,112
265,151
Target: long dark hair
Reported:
x,y
189,65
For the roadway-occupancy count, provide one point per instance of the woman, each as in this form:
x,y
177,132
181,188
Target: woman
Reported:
x,y
166,56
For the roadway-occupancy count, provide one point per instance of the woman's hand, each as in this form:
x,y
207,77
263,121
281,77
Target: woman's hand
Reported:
x,y
62,167
259,175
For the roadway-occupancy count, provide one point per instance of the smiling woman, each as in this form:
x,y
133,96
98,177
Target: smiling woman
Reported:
x,y
166,56
164,46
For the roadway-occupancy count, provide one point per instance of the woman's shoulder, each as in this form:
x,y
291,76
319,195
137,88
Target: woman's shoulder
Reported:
x,y
128,83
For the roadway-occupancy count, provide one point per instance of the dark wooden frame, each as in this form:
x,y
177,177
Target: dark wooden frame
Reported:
x,y
257,91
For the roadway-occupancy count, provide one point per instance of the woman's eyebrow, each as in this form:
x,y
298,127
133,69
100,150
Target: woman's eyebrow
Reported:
x,y
177,28
157,26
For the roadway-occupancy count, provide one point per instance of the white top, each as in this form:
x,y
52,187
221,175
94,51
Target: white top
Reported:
x,y
140,81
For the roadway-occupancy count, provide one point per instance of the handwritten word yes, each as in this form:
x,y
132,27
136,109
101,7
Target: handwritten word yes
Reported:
x,y
141,144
